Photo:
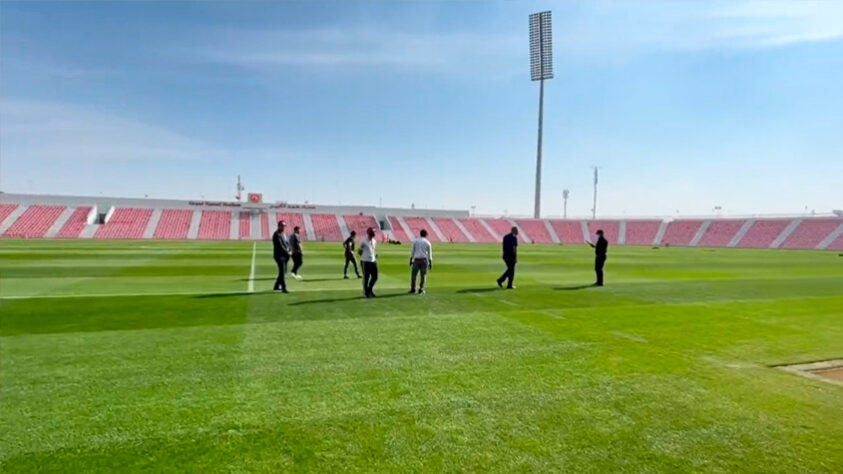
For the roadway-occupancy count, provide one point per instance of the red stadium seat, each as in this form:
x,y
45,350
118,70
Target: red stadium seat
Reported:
x,y
214,225
641,232
34,222
763,232
681,232
173,224
74,224
568,231
477,230
326,227
810,233
535,230
416,224
125,223
720,232
360,223
450,230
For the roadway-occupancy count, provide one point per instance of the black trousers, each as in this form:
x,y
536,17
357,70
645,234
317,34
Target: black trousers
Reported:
x,y
509,274
280,282
599,261
370,276
349,258
297,261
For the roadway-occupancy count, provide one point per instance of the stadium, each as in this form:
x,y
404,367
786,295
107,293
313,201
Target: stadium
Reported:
x,y
151,334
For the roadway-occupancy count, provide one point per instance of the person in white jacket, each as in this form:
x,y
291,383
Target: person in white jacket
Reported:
x,y
421,259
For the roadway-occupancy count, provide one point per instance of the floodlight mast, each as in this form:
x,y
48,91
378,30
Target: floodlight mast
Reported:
x,y
541,68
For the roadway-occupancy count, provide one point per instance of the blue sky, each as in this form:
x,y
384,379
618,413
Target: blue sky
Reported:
x,y
684,105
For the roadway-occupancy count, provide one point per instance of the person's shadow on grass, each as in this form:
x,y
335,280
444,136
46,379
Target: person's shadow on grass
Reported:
x,y
353,298
571,288
478,290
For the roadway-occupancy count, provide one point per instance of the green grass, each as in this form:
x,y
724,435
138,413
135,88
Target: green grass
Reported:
x,y
153,356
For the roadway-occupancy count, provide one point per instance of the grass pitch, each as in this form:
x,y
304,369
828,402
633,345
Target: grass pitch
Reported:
x,y
155,355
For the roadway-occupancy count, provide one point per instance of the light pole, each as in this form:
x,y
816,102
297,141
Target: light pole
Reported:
x,y
594,204
565,194
541,68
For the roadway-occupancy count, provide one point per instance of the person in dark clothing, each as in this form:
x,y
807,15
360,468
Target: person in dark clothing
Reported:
x,y
510,257
296,247
281,253
349,255
600,249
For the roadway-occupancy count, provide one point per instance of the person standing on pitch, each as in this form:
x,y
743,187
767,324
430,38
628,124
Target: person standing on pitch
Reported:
x,y
349,255
295,245
600,249
368,258
510,257
421,258
281,254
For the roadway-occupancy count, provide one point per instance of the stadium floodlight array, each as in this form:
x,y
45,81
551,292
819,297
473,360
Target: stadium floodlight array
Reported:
x,y
541,68
541,46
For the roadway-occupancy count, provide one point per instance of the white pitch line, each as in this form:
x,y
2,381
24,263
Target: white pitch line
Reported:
x,y
252,271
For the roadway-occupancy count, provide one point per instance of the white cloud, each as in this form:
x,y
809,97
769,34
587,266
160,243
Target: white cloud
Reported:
x,y
618,29
59,133
354,48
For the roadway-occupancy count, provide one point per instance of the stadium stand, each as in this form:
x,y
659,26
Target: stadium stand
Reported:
x,y
215,225
174,224
244,226
34,222
397,231
477,230
810,233
416,224
359,223
535,229
640,232
837,244
265,233
450,230
325,226
48,216
125,223
75,223
293,220
610,230
5,210
680,232
763,232
720,232
569,232
499,225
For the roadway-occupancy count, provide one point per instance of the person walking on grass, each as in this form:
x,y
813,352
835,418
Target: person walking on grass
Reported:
x,y
421,259
510,258
349,255
296,247
281,253
368,259
600,249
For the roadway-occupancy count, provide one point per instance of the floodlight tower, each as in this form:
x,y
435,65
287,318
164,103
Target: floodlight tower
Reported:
x,y
594,205
565,194
240,188
541,68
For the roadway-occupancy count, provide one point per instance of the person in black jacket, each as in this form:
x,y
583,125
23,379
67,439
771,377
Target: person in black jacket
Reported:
x,y
600,249
349,255
281,253
297,253
510,257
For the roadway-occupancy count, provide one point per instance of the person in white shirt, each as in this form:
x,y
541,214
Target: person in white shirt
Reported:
x,y
421,258
368,258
